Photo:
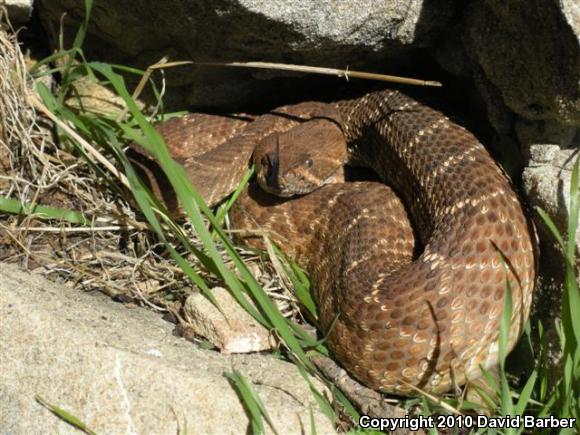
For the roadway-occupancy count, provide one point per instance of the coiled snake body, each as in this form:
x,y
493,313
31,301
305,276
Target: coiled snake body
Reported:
x,y
404,314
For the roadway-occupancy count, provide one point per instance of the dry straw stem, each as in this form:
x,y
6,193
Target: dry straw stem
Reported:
x,y
20,141
162,63
33,99
346,73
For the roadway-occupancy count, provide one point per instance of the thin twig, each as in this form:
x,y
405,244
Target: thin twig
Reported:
x,y
80,229
346,73
162,63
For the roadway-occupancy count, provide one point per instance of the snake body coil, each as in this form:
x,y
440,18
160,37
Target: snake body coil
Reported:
x,y
400,318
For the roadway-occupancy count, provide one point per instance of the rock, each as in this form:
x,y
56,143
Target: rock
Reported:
x,y
322,32
551,150
94,97
530,52
19,11
121,370
231,329
547,184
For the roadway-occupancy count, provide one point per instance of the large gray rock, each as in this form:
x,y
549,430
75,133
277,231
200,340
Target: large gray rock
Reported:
x,y
323,33
530,52
19,11
238,29
552,151
122,371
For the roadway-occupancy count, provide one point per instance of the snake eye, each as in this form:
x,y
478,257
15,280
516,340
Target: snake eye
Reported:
x,y
308,163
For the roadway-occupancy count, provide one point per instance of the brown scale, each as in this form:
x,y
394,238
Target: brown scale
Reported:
x,y
403,319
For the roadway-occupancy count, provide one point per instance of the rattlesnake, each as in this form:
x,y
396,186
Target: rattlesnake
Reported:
x,y
399,314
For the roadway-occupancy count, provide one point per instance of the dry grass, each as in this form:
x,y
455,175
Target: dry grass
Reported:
x,y
114,251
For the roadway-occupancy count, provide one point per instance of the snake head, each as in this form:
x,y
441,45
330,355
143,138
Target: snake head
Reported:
x,y
302,159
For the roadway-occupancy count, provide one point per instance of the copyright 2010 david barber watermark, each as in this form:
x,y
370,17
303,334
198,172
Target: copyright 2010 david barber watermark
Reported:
x,y
465,422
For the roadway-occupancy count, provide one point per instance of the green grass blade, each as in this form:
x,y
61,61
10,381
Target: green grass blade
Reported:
x,y
34,70
572,296
551,226
573,216
65,416
343,400
323,403
571,310
82,30
426,412
312,423
302,291
300,282
507,406
489,401
252,402
15,206
224,208
526,394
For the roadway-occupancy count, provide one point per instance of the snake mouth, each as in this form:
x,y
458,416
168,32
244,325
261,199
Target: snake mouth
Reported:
x,y
279,189
298,186
283,189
